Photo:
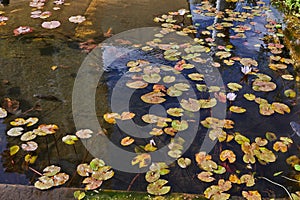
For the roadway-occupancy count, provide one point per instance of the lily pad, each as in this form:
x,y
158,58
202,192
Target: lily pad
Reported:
x,y
153,97
176,112
84,169
16,131
84,133
152,176
206,177
143,160
60,179
29,135
234,86
237,109
51,170
18,122
264,86
280,108
180,125
158,187
126,141
96,163
151,78
111,117
92,183
44,183
249,97
136,84
169,79
70,139
29,146
3,113
51,24
227,155
207,103
191,105
31,121
14,149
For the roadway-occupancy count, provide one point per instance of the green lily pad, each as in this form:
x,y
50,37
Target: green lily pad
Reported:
x,y
173,92
29,135
220,170
207,103
237,109
14,149
79,195
152,176
297,167
176,112
191,105
151,78
184,162
158,187
96,163
136,84
175,153
234,86
169,79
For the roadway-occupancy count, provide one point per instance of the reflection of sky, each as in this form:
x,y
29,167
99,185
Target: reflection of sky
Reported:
x,y
9,178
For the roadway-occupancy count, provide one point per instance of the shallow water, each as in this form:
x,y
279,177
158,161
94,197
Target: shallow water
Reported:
x,y
26,64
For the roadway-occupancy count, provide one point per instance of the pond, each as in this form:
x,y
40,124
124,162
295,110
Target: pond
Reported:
x,y
213,77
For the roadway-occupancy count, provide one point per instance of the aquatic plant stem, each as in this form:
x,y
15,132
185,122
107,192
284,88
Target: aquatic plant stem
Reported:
x,y
132,181
290,196
290,179
40,174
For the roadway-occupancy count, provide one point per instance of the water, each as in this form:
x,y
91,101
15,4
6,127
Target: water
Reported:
x,y
26,63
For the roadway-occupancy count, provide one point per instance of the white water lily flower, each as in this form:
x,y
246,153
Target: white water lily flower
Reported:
x,y
231,96
152,142
182,11
246,70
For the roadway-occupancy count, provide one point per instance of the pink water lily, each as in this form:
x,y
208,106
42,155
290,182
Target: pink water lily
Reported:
x,y
51,24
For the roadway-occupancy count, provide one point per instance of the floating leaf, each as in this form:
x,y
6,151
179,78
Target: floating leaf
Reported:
x,y
70,139
30,159
184,162
60,179
48,128
249,97
149,118
280,108
31,121
234,86
169,79
136,84
277,173
51,24
201,87
176,112
150,148
91,183
240,139
248,179
237,109
29,146
156,132
84,169
18,122
28,136
271,136
84,133
151,78
290,93
266,109
180,125
77,19
207,103
15,131
126,141
152,176
251,195
264,86
248,62
227,154
3,113
143,159
260,141
170,131
287,77
233,178
103,173
127,115
153,97
79,195
217,133
44,183
205,176
158,187
191,105
51,170
297,167
96,163
111,117
196,76
14,149
223,54
220,170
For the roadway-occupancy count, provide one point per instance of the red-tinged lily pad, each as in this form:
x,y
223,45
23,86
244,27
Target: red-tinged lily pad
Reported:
x,y
227,155
251,195
91,183
248,179
51,170
280,108
237,109
143,160
111,117
29,135
51,24
170,131
84,133
84,169
263,86
126,141
180,125
29,146
153,97
3,113
13,150
205,177
48,128
217,133
207,103
127,115
152,176
44,183
77,19
248,62
22,30
266,109
191,105
136,84
158,187
16,131
184,162
60,179
69,139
